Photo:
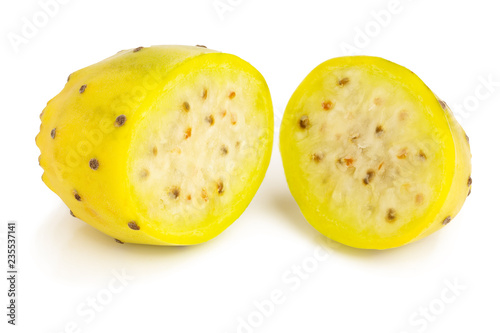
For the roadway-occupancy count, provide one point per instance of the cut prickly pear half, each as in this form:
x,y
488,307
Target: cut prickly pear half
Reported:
x,y
373,158
163,145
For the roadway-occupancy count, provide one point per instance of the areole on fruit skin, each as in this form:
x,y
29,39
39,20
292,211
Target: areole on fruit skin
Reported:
x,y
443,152
100,190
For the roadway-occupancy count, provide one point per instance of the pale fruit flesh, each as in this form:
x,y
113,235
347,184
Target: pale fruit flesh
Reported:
x,y
370,154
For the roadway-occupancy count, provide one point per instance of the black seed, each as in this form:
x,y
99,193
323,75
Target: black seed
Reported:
x,y
369,176
220,187
77,196
422,155
82,88
174,193
186,106
53,133
203,46
304,122
328,105
317,157
344,81
210,119
446,220
137,49
132,225
442,103
71,213
119,241
379,130
94,164
391,215
120,120
469,181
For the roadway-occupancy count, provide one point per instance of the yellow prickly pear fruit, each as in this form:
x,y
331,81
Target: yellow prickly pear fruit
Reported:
x,y
162,145
373,158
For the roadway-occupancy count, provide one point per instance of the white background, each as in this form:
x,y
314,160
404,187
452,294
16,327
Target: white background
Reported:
x,y
213,287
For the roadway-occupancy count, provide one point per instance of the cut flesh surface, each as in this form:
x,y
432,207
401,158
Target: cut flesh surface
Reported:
x,y
368,159
194,154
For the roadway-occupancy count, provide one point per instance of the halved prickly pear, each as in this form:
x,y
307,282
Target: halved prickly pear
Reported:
x,y
162,145
373,158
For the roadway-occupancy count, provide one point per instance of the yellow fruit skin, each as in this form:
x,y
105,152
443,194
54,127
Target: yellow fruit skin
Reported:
x,y
85,128
454,145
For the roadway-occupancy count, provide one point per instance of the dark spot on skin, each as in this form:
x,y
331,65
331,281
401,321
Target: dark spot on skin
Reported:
x,y
155,150
82,88
304,122
210,119
132,225
223,150
469,192
187,133
77,196
369,176
442,103
41,114
69,77
317,157
120,120
328,105
344,81
391,215
39,158
174,192
379,130
377,101
233,119
53,133
94,164
469,181
232,95
205,94
186,107
467,138
446,220
220,187
71,213
119,241
237,144
203,46
137,49
188,197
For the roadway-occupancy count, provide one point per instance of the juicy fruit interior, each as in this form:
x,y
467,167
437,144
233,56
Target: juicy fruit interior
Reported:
x,y
193,155
130,146
366,158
